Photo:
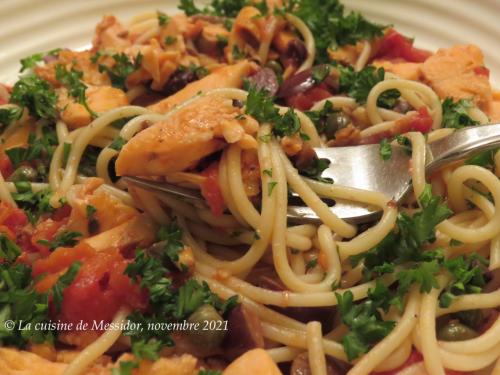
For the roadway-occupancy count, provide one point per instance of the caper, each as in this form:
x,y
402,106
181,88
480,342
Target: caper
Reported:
x,y
24,173
455,331
157,248
209,330
471,318
335,122
275,67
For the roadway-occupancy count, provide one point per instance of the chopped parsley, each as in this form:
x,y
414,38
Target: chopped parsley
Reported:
x,y
199,71
62,283
222,8
467,277
33,60
311,264
237,53
315,170
76,88
454,242
125,368
122,68
320,117
359,84
33,204
270,187
404,247
260,105
36,95
9,251
405,143
66,152
189,7
484,159
331,27
63,239
152,270
268,172
21,303
169,40
117,143
287,125
320,72
39,151
92,222
90,210
209,372
8,116
172,236
456,115
163,19
364,321
385,149
221,41
412,232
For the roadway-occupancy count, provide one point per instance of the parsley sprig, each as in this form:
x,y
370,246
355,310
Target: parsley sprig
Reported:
x,y
221,8
8,116
33,60
260,105
66,238
36,95
20,302
456,115
364,321
152,269
122,68
72,79
403,247
33,203
467,277
331,26
359,84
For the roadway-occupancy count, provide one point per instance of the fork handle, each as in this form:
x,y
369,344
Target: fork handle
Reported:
x,y
462,143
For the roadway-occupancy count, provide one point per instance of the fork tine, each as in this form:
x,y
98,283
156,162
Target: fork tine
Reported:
x,y
295,214
164,187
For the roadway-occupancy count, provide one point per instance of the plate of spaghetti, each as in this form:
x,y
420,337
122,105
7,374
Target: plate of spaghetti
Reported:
x,y
229,99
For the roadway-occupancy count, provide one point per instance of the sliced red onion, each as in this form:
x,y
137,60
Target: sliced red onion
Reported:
x,y
265,79
49,58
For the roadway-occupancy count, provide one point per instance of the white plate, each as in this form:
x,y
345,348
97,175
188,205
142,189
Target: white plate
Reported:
x,y
29,26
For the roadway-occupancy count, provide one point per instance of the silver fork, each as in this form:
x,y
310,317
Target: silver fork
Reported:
x,y
362,167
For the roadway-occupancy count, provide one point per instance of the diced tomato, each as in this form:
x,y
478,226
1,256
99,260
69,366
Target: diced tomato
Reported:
x,y
62,258
16,219
396,46
11,217
100,288
210,189
415,357
482,71
4,99
422,122
305,100
62,212
6,167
